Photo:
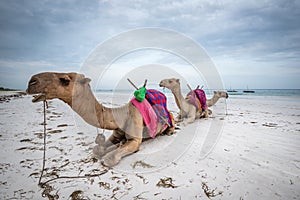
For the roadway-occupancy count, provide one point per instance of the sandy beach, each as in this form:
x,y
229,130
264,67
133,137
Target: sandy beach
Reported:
x,y
256,154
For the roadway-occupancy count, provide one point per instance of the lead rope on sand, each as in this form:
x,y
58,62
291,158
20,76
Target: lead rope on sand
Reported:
x,y
44,184
226,107
45,132
103,129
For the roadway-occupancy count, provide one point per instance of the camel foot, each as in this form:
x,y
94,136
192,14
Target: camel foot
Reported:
x,y
98,151
111,159
170,131
205,114
100,139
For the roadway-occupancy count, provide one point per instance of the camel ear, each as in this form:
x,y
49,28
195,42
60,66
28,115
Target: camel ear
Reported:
x,y
65,80
85,81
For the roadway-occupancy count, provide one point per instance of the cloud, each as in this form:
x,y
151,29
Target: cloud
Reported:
x,y
234,33
15,74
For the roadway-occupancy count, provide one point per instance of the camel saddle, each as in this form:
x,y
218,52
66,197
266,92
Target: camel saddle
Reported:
x,y
158,101
198,99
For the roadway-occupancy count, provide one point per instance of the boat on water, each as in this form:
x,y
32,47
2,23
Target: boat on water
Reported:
x,y
248,91
232,90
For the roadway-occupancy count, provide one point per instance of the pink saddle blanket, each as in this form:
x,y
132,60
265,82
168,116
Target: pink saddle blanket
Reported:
x,y
148,114
198,99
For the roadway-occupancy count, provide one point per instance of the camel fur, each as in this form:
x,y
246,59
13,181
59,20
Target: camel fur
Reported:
x,y
188,112
125,121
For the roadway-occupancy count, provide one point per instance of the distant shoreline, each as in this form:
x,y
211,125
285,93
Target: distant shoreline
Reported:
x,y
7,89
7,95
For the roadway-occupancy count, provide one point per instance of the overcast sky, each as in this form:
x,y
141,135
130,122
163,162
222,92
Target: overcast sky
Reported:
x,y
254,43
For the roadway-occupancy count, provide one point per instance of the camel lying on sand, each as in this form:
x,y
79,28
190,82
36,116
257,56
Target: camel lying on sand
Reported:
x,y
125,121
188,112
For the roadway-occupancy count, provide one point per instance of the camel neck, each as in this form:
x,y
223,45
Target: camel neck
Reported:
x,y
94,113
178,96
212,101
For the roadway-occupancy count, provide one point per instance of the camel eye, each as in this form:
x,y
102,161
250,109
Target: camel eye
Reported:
x,y
64,81
170,81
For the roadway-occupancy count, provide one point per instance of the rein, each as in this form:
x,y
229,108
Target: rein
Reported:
x,y
45,104
226,107
45,184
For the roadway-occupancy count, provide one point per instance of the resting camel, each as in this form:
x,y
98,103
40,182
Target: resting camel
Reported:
x,y
125,121
188,112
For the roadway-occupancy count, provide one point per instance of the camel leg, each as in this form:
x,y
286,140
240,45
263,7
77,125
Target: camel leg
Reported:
x,y
189,120
170,130
113,142
178,118
206,113
191,116
209,111
134,133
198,115
131,146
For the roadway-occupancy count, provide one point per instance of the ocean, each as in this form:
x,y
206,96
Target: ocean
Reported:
x,y
269,92
257,92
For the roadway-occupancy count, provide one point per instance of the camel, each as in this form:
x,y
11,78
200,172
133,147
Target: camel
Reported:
x,y
217,95
188,112
125,121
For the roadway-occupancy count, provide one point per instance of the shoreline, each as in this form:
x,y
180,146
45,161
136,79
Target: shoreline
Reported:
x,y
6,96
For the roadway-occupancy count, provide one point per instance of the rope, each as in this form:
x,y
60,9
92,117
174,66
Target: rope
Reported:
x,y
103,123
226,107
44,184
45,104
74,177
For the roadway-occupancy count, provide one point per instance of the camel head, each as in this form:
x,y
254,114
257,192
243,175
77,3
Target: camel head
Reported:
x,y
51,85
221,94
170,83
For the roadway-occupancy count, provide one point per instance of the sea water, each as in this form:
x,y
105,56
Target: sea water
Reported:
x,y
269,92
257,92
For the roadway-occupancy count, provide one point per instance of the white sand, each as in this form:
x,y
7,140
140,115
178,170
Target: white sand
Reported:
x,y
256,155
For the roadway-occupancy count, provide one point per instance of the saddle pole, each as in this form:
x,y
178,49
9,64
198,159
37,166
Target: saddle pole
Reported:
x,y
132,83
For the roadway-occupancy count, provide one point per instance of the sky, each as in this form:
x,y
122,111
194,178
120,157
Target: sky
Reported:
x,y
254,43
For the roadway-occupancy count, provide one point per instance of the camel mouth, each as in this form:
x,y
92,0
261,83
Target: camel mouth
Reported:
x,y
39,97
162,85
